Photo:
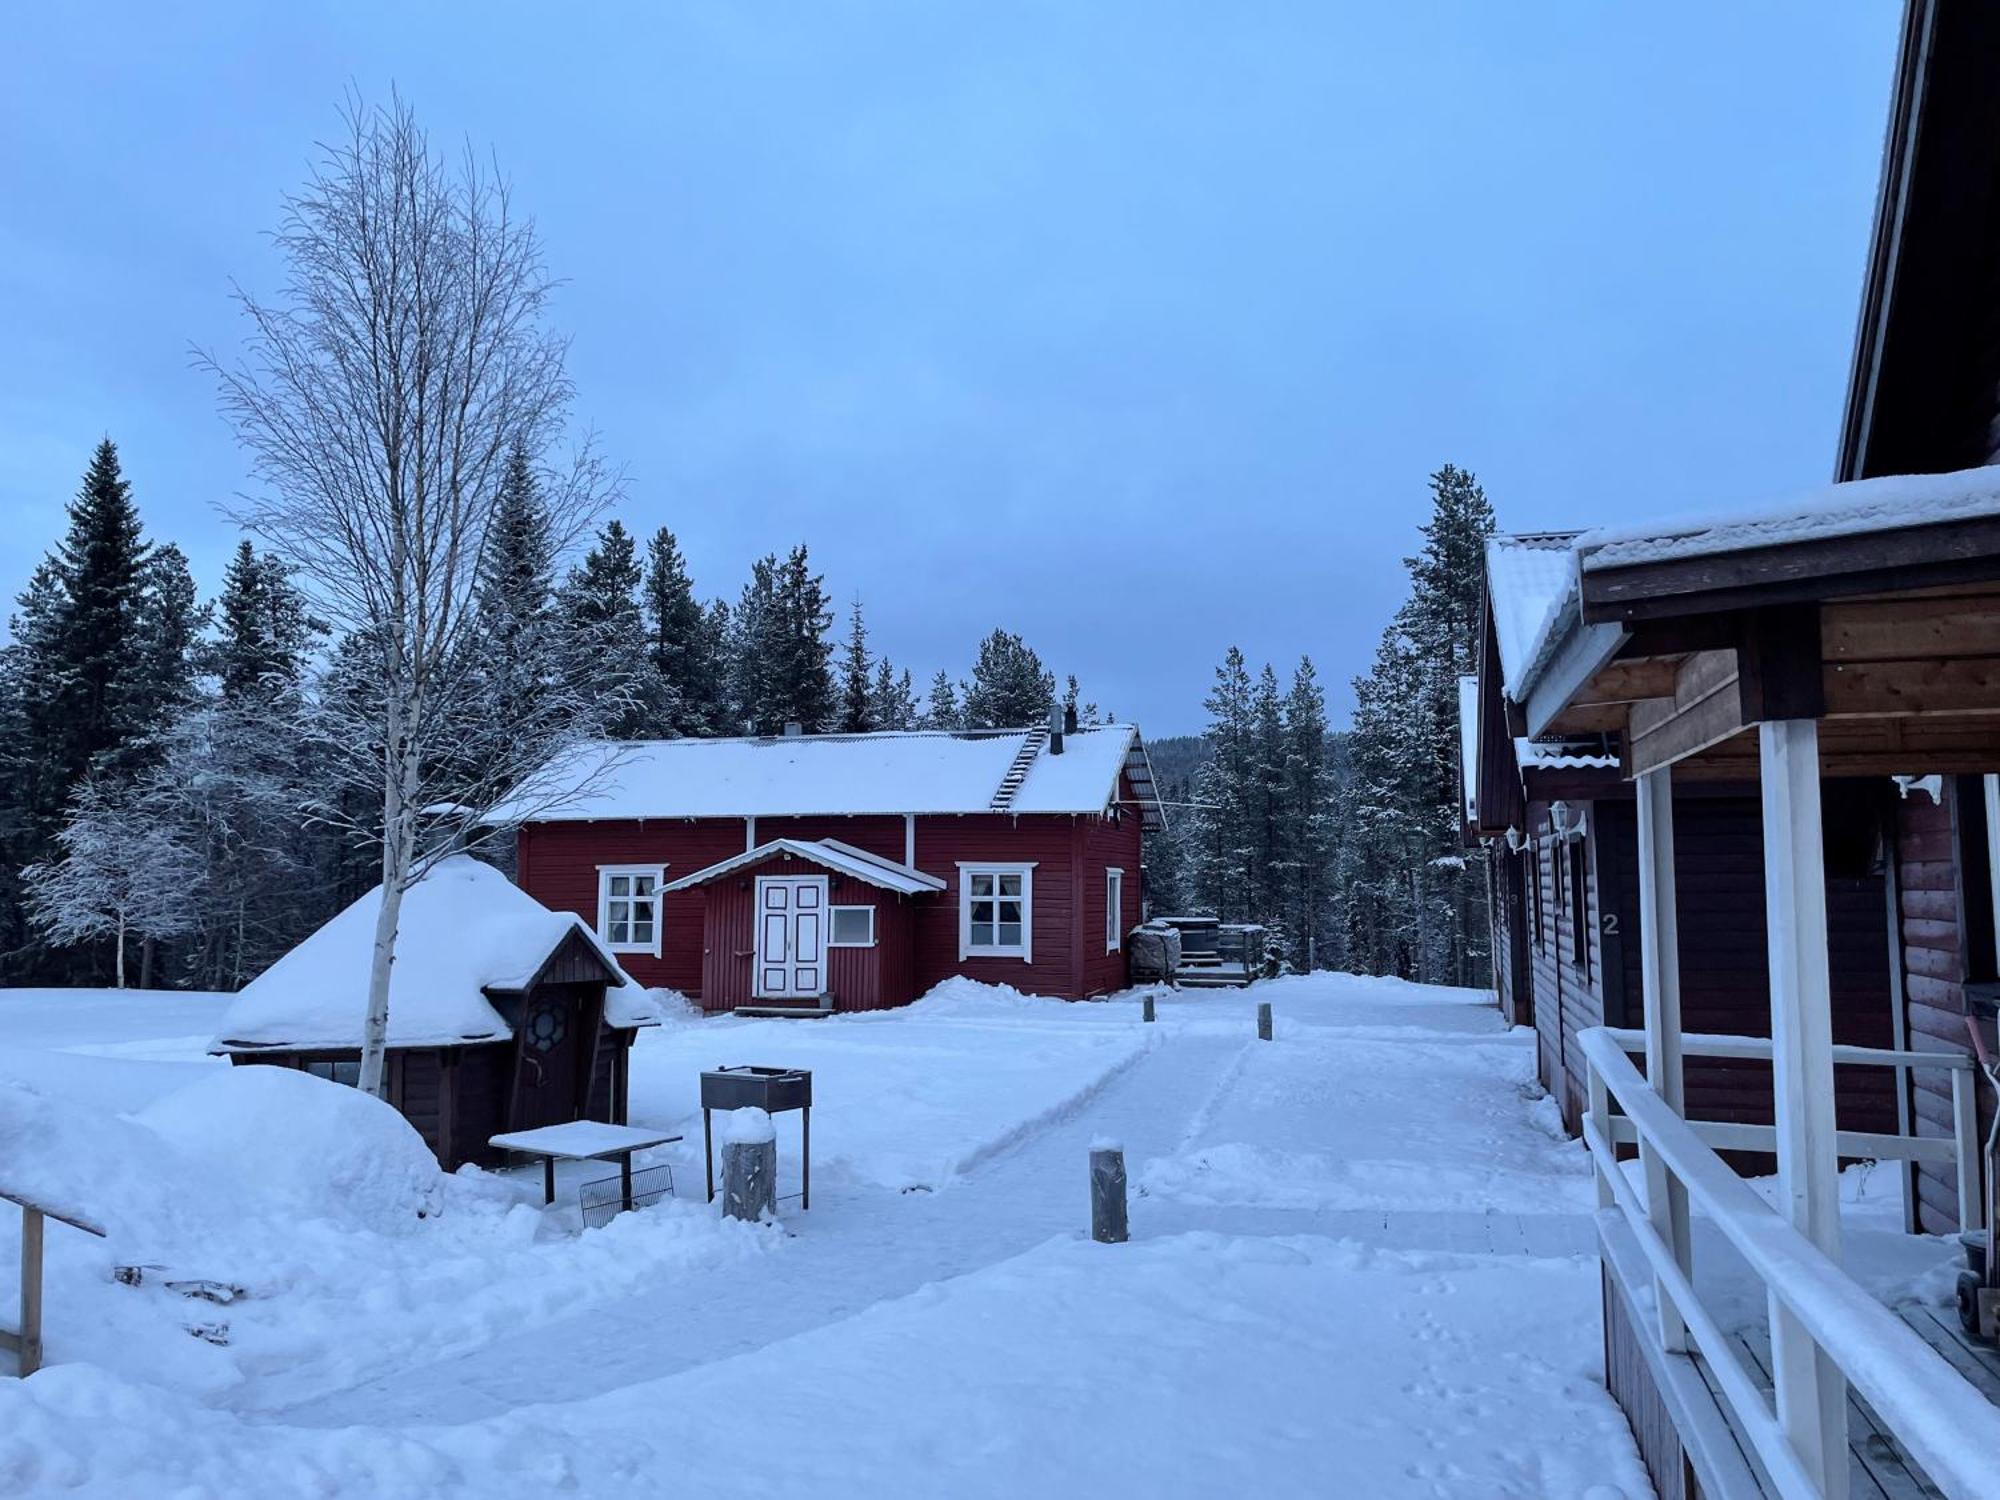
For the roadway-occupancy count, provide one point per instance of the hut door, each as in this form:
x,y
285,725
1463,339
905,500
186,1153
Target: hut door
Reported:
x,y
791,937
548,1087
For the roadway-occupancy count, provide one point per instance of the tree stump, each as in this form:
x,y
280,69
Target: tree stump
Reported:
x,y
1108,1225
749,1166
1263,1020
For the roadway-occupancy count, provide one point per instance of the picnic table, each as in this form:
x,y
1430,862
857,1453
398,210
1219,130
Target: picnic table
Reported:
x,y
582,1140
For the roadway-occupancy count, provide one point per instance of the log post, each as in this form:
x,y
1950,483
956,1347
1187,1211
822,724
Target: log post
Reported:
x,y
1108,1224
31,1289
1146,1008
749,1166
1263,1020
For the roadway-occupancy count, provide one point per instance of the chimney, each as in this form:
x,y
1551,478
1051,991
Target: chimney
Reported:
x,y
1069,718
794,730
1055,731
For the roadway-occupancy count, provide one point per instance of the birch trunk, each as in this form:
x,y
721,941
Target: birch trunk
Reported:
x,y
398,854
121,949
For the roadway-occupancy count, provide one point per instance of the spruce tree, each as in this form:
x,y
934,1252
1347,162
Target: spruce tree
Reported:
x,y
857,698
99,702
678,640
800,688
601,604
892,701
1223,852
941,710
750,647
1308,794
1010,686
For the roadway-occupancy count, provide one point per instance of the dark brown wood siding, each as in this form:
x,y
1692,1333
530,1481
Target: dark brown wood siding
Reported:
x,y
1930,904
1719,885
1632,1386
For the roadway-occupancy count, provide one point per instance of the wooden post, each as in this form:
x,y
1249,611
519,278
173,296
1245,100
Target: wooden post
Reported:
x,y
1263,1020
625,1182
749,1166
1660,984
31,1290
1108,1224
1811,1392
548,1179
1146,1008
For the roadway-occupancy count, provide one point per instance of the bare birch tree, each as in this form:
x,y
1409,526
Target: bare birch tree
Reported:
x,y
381,395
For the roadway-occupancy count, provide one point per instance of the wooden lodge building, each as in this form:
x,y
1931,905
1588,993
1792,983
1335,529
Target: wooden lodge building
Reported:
x,y
503,1015
807,874
1738,778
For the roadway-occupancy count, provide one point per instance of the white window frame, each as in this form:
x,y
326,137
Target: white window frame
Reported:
x,y
967,868
833,911
1114,908
604,877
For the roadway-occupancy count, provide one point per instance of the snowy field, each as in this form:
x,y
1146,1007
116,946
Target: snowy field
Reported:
x,y
1360,1265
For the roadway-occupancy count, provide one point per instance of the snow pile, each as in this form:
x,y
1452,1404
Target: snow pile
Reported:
x,y
464,928
1851,509
313,1149
747,1127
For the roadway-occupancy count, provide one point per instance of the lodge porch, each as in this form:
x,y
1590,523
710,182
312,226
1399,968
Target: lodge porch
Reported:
x,y
1852,644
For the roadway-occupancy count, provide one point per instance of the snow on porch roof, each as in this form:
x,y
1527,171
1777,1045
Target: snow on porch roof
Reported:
x,y
465,929
916,771
830,854
1526,577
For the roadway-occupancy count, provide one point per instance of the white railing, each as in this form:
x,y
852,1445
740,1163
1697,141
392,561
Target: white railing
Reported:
x,y
1946,1425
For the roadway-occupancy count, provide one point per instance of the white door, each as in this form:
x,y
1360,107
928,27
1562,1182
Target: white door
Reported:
x,y
791,937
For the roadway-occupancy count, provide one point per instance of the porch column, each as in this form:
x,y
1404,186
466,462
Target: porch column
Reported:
x,y
1811,1393
1660,984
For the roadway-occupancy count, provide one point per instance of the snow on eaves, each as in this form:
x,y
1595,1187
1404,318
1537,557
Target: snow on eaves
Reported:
x,y
464,928
1468,744
1851,509
1527,579
1532,755
919,771
829,854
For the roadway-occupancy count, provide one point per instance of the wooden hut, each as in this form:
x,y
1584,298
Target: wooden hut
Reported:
x,y
503,1015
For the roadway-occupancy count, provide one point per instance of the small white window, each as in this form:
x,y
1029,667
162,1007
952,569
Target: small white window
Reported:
x,y
853,927
1114,910
996,911
628,907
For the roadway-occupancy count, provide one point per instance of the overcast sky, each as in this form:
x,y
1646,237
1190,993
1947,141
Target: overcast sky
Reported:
x,y
1134,327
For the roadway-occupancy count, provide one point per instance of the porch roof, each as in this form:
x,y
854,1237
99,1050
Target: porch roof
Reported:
x,y
1873,607
828,854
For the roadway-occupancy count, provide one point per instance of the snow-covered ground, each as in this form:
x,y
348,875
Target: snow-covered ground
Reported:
x,y
1360,1265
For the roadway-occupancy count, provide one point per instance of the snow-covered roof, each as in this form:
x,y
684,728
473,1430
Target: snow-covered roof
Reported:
x,y
918,771
464,929
1468,745
1838,510
829,854
1526,579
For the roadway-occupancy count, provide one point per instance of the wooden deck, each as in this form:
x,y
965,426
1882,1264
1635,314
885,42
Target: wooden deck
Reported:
x,y
1878,1467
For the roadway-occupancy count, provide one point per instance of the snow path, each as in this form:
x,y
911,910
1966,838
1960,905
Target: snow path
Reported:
x,y
858,1247
1359,1266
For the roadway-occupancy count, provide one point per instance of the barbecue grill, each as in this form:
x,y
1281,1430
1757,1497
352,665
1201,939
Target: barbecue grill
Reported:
x,y
773,1090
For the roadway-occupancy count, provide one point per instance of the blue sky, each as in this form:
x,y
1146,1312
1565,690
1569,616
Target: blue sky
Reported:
x,y
1134,327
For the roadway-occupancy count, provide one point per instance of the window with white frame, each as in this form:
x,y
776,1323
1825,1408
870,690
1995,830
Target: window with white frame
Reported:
x,y
852,927
996,910
628,907
1114,909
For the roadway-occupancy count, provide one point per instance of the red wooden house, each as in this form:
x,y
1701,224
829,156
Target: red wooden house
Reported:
x,y
854,872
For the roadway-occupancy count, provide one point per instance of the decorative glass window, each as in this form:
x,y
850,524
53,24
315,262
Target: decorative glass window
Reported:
x,y
995,911
853,927
628,907
1114,910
